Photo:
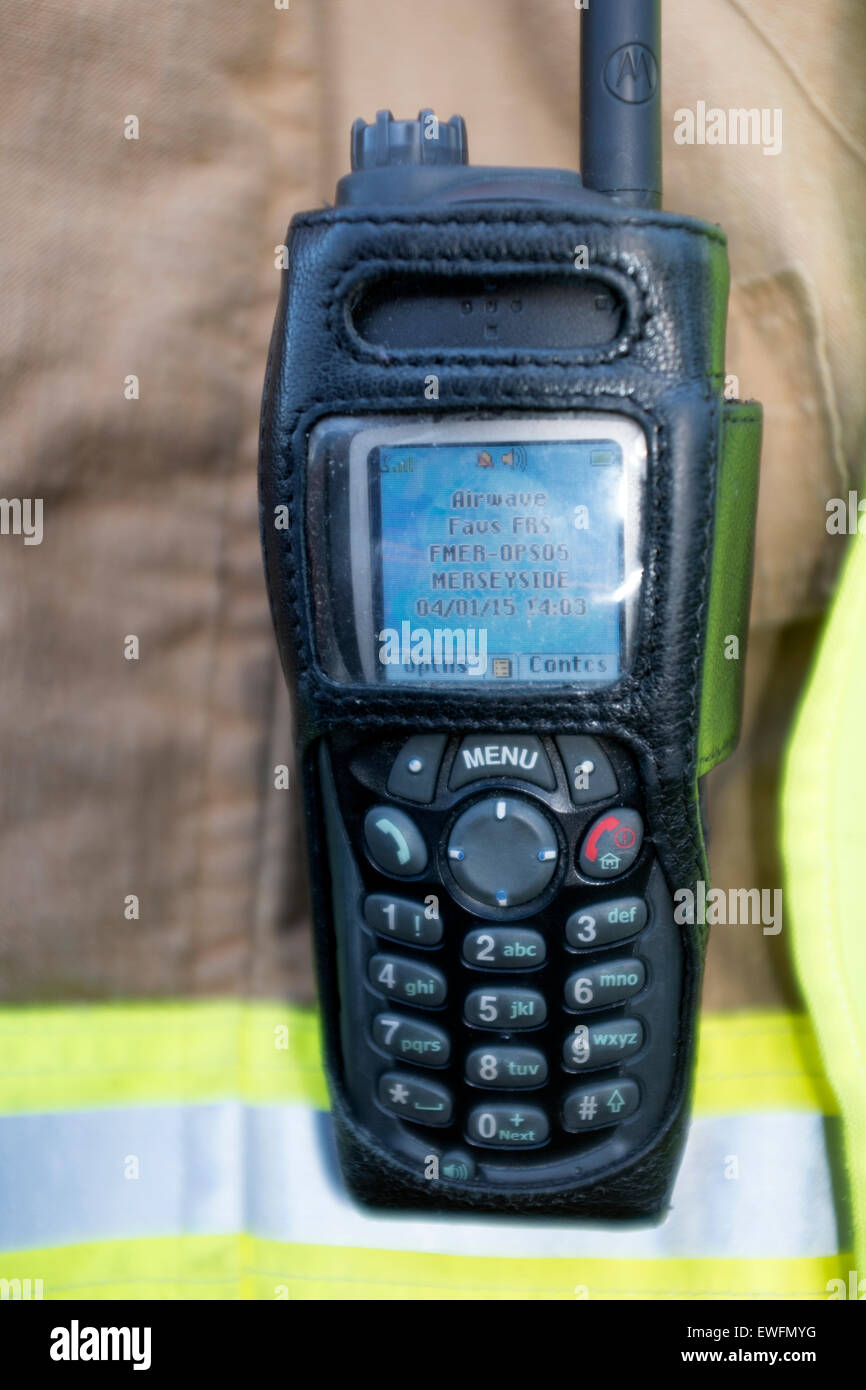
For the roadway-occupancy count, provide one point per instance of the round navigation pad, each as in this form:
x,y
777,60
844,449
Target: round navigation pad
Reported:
x,y
503,851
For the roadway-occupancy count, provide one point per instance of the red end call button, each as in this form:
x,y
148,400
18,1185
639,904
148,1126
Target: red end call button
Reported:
x,y
612,844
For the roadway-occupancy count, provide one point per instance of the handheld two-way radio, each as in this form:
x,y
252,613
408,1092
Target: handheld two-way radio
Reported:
x,y
507,516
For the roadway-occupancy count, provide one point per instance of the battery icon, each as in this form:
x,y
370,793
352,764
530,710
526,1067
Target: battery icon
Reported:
x,y
600,457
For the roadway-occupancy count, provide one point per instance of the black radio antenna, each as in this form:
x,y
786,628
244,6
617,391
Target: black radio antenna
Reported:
x,y
620,100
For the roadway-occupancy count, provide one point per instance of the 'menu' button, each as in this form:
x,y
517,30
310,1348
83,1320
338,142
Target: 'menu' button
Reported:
x,y
521,756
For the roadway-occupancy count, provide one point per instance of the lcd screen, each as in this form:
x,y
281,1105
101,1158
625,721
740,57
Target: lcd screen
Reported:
x,y
499,561
476,550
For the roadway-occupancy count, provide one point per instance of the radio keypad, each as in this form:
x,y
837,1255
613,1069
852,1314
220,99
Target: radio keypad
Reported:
x,y
503,849
411,983
518,755
509,1126
591,1107
602,1043
415,1099
612,844
603,924
508,1067
403,919
505,1009
598,986
587,768
504,948
414,772
394,841
412,1040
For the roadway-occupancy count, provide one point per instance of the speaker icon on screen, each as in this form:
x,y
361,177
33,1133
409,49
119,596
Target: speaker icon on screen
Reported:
x,y
515,458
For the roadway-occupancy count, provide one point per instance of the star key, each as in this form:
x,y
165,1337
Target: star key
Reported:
x,y
423,1102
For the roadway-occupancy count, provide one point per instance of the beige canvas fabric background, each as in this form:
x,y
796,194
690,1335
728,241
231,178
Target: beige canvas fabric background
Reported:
x,y
155,257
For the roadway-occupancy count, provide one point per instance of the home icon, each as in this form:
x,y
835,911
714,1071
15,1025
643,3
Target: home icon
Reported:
x,y
609,861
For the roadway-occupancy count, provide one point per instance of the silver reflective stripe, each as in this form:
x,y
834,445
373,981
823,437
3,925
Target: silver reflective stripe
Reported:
x,y
775,1208
67,1178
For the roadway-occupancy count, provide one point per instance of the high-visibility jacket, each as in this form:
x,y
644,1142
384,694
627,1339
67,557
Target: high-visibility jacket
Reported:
x,y
182,1150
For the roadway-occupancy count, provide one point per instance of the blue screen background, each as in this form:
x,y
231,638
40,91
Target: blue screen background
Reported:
x,y
540,525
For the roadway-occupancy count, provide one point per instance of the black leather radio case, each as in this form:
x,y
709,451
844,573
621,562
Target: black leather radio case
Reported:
x,y
678,707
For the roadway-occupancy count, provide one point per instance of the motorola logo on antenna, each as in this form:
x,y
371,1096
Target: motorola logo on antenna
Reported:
x,y
631,73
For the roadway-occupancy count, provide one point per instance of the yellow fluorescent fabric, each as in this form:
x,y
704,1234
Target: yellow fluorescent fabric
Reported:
x,y
243,1267
824,846
64,1059
78,1057
85,1056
